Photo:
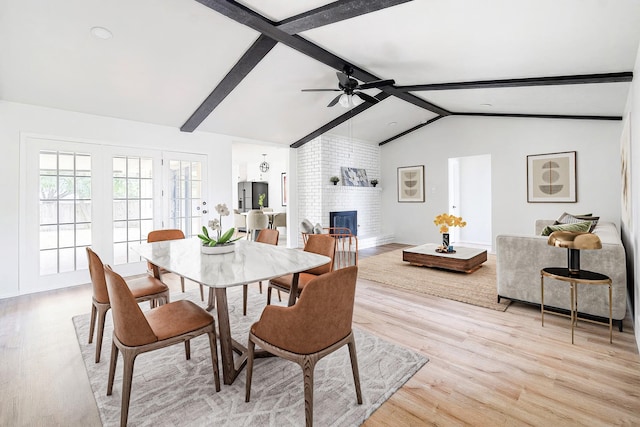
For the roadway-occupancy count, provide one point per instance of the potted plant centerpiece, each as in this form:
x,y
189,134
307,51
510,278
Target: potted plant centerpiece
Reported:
x,y
334,179
223,243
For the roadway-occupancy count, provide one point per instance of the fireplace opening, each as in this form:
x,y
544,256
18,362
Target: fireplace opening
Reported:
x,y
346,219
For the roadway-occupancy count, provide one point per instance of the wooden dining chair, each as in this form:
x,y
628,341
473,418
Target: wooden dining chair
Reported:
x,y
170,234
322,320
135,332
146,288
321,244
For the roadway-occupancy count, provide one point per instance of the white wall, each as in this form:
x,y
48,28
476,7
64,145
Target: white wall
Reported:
x,y
630,232
508,141
20,118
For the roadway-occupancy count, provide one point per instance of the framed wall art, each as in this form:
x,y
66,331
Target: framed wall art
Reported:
x,y
354,177
411,184
551,178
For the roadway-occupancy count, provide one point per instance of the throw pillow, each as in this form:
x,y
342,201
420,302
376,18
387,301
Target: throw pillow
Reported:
x,y
579,227
306,226
567,218
318,229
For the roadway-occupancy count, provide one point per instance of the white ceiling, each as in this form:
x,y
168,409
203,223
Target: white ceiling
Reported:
x,y
167,56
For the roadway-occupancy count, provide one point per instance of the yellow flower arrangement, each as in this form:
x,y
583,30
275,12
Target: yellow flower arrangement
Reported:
x,y
444,221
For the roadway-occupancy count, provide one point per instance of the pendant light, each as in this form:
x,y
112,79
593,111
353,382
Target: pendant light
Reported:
x,y
264,166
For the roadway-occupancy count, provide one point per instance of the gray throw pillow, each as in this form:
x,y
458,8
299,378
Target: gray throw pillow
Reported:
x,y
318,229
306,226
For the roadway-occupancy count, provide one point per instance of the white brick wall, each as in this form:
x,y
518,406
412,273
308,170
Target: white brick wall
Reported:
x,y
322,158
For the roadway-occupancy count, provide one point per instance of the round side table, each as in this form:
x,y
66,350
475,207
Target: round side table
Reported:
x,y
581,277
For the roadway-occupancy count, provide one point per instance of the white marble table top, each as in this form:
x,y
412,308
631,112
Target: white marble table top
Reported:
x,y
250,262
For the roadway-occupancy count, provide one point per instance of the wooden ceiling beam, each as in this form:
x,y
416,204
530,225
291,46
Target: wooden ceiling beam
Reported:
x,y
338,120
401,134
531,81
540,116
334,12
240,70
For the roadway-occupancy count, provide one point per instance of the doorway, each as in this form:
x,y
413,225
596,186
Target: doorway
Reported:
x,y
470,198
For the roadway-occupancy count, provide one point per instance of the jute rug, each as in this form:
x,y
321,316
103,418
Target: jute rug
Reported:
x,y
170,390
477,288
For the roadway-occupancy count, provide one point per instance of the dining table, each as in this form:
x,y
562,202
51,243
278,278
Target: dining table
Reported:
x,y
249,262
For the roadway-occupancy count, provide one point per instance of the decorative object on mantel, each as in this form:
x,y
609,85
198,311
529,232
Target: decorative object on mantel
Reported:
x,y
222,243
354,177
374,182
411,184
444,221
335,180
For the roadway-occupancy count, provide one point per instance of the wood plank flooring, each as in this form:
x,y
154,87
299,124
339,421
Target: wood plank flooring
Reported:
x,y
486,367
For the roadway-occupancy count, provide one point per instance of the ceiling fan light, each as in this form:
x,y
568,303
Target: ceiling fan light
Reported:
x,y
344,100
356,100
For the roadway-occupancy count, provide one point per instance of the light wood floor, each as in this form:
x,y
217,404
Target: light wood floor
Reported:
x,y
486,367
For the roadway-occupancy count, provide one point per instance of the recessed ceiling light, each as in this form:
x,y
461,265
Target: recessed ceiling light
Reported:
x,y
101,33
392,123
486,105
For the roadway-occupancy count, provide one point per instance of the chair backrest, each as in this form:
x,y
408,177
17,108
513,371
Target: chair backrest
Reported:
x,y
169,234
98,282
267,209
269,236
279,220
129,323
256,220
239,220
323,314
321,244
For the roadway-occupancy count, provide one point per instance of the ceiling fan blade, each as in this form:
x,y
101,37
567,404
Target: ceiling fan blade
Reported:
x,y
366,97
376,83
334,101
343,78
321,90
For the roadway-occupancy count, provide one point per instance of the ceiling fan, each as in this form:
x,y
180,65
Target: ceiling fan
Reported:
x,y
351,89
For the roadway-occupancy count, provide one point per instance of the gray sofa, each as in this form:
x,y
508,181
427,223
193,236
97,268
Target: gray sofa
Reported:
x,y
520,259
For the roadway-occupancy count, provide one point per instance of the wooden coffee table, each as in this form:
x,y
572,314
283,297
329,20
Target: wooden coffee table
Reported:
x,y
466,260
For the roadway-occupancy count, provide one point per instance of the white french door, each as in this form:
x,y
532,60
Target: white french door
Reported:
x,y
76,194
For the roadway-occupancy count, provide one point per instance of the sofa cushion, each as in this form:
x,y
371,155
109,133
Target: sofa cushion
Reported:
x,y
567,218
306,226
580,227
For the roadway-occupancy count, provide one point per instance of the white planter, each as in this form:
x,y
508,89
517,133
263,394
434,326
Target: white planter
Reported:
x,y
218,249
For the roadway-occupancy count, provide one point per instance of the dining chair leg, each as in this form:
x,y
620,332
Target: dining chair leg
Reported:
x,y
129,357
268,295
245,289
187,349
279,295
112,368
213,346
354,367
250,351
182,283
102,315
260,285
92,324
308,365
201,293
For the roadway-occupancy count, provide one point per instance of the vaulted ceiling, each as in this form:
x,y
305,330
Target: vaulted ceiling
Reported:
x,y
238,68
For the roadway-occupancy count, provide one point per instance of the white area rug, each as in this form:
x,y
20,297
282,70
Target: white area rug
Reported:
x,y
170,390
